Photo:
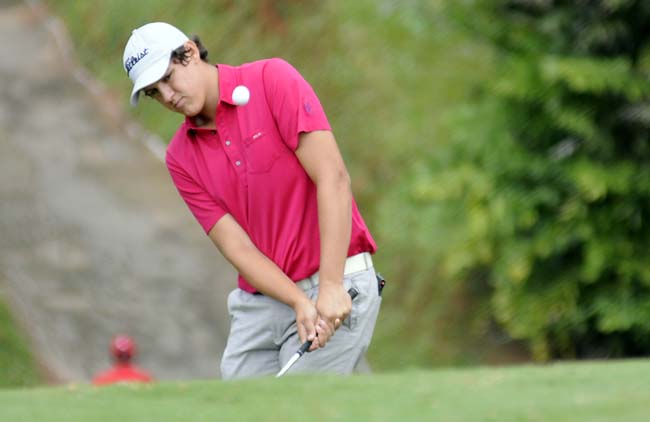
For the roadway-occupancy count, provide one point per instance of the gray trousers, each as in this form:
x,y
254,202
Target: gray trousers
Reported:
x,y
263,334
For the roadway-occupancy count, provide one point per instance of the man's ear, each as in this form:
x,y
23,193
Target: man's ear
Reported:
x,y
194,50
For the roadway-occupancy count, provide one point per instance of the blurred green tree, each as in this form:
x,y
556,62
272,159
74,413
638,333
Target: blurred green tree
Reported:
x,y
541,195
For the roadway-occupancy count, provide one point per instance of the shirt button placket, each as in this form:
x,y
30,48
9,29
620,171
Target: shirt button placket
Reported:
x,y
233,153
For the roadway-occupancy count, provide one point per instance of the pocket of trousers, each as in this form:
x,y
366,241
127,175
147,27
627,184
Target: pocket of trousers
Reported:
x,y
365,283
230,302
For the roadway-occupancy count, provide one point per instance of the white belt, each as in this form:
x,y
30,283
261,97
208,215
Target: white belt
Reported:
x,y
358,262
353,264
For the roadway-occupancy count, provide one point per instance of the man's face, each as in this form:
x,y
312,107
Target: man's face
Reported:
x,y
179,89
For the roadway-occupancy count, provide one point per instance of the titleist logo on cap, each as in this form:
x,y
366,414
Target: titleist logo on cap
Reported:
x,y
133,60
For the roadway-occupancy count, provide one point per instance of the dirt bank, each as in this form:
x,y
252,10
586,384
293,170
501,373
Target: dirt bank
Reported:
x,y
93,238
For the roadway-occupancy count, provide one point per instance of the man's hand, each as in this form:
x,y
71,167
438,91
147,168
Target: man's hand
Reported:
x,y
333,304
310,326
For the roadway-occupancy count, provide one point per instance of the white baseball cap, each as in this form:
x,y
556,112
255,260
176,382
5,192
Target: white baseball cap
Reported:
x,y
147,54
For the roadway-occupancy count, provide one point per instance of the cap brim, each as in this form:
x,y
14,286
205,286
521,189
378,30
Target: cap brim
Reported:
x,y
153,73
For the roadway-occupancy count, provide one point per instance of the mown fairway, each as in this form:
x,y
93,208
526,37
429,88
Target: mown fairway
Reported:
x,y
600,391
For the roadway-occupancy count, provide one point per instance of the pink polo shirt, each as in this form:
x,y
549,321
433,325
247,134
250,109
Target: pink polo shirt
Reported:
x,y
247,167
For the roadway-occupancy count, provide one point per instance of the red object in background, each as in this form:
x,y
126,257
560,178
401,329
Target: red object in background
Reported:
x,y
122,373
122,350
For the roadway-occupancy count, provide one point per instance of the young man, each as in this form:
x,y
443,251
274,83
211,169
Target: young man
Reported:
x,y
123,370
258,166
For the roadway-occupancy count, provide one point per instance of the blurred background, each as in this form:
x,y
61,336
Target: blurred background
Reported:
x,y
498,150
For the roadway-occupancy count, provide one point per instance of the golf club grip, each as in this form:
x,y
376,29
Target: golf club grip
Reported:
x,y
306,345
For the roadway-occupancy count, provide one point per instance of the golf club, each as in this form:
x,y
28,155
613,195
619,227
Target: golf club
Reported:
x,y
306,345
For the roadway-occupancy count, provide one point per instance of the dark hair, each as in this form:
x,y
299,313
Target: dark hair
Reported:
x,y
182,54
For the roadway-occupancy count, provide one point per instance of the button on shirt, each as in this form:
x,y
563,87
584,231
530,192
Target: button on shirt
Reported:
x,y
248,167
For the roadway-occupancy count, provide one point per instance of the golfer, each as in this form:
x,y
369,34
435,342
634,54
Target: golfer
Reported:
x,y
258,166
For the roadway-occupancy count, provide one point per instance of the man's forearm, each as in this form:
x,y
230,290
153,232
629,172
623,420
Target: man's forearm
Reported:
x,y
321,159
335,221
258,270
263,274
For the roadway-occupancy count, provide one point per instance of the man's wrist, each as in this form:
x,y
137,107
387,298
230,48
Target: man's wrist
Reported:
x,y
297,298
330,282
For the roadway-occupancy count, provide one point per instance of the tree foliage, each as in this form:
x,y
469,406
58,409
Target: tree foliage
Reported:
x,y
543,187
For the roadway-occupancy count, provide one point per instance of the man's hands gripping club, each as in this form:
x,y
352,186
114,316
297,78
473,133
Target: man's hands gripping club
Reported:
x,y
306,346
318,321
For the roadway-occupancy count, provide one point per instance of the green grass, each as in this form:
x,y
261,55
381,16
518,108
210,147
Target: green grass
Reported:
x,y
17,367
595,391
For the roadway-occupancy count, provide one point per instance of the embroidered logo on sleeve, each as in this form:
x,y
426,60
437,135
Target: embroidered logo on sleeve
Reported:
x,y
307,106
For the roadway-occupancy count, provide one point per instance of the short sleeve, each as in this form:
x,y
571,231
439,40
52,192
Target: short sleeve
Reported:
x,y
293,102
205,209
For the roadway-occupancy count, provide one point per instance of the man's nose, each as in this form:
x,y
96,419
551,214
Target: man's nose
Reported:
x,y
166,93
